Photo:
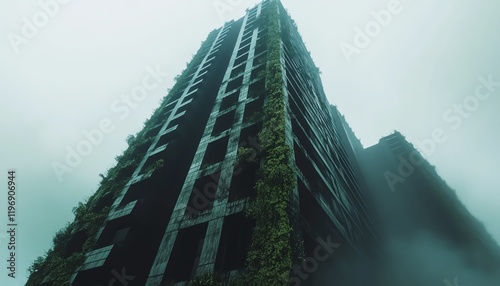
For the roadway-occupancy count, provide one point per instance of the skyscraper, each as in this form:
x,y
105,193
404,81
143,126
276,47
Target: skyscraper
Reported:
x,y
246,175
239,171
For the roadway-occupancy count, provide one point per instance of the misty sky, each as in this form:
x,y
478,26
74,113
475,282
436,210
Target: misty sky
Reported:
x,y
69,73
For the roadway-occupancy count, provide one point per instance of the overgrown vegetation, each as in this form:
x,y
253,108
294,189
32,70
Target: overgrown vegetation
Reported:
x,y
270,257
212,279
208,279
156,165
61,261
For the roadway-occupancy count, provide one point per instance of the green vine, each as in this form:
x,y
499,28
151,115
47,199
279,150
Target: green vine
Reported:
x,y
154,166
208,279
270,256
215,279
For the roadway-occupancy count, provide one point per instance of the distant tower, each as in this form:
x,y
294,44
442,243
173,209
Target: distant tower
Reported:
x,y
420,211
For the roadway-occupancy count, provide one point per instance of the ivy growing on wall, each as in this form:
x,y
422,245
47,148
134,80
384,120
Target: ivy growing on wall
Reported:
x,y
269,259
270,256
208,279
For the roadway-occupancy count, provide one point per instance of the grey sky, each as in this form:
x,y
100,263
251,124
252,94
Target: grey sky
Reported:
x,y
65,79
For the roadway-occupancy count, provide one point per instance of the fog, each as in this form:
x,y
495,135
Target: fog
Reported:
x,y
65,77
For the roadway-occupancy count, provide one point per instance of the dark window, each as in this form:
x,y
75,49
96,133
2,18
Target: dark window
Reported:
x,y
216,151
224,122
229,100
234,83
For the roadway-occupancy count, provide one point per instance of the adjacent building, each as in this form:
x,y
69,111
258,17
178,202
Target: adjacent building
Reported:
x,y
420,216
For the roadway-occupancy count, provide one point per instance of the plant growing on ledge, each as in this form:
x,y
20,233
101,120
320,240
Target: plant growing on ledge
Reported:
x,y
247,155
156,165
204,280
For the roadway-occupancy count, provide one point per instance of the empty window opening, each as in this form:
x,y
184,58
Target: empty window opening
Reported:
x,y
258,72
229,101
175,121
243,179
234,243
182,108
223,122
260,48
166,138
237,71
153,131
249,137
254,110
241,59
243,50
216,151
260,59
195,87
245,42
136,192
185,253
203,195
234,83
257,89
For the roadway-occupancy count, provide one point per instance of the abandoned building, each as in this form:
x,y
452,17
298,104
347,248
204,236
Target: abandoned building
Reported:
x,y
246,156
